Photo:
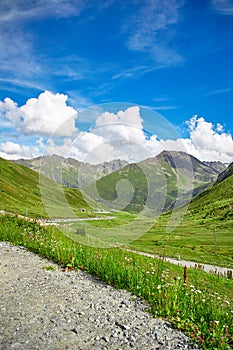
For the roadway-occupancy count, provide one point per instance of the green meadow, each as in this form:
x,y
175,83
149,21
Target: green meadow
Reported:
x,y
205,233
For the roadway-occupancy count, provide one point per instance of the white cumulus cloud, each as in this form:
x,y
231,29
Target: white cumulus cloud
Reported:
x,y
118,135
45,115
11,150
124,125
206,141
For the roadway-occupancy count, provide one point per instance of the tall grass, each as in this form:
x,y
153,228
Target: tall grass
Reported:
x,y
194,307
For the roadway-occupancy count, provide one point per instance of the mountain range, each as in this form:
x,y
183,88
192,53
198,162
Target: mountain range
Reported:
x,y
167,180
70,172
171,178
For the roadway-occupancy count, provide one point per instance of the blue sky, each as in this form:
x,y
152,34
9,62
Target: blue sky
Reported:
x,y
58,58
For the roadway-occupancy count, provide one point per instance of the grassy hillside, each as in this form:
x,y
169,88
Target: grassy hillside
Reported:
x,y
206,232
157,182
108,190
20,192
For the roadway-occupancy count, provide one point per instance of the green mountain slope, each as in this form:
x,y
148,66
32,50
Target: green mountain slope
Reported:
x,y
157,182
216,203
20,192
206,232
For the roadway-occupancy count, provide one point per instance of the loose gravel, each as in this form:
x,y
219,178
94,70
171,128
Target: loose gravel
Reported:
x,y
55,310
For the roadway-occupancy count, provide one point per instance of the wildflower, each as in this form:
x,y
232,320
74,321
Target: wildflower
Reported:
x,y
158,287
216,322
227,302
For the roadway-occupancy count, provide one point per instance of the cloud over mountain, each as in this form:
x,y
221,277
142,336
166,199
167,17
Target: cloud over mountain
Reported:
x,y
206,141
115,135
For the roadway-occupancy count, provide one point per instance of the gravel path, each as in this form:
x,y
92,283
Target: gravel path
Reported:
x,y
55,310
